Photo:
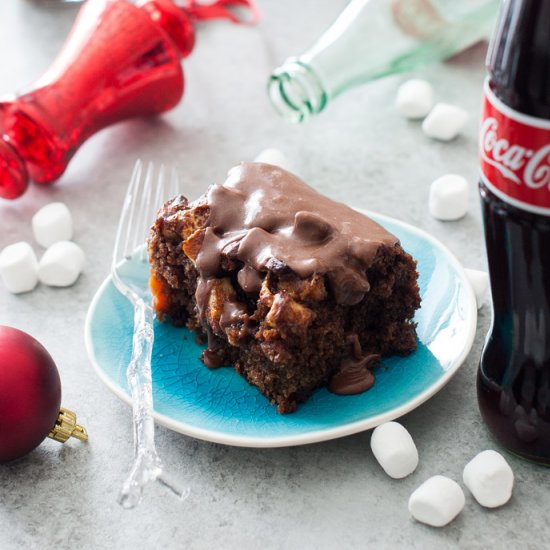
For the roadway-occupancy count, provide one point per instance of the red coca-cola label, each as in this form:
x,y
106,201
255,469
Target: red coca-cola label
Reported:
x,y
515,155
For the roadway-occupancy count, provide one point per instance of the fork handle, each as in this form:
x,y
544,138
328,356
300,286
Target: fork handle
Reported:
x,y
147,466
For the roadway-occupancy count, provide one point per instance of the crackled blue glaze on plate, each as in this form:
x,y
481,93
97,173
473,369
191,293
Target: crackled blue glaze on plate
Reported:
x,y
218,405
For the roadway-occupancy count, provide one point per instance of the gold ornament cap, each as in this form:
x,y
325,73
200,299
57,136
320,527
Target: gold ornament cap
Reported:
x,y
66,427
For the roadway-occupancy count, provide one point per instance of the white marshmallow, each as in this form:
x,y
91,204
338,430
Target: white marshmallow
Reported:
x,y
18,267
61,264
394,448
437,501
444,121
52,223
449,197
480,283
489,478
415,98
275,157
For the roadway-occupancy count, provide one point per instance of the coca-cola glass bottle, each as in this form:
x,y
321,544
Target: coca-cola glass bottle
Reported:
x,y
375,38
514,371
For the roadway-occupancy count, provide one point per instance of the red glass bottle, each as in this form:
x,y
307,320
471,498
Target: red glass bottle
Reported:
x,y
514,371
120,60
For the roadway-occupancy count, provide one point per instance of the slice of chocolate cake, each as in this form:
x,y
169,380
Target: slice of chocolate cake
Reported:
x,y
294,290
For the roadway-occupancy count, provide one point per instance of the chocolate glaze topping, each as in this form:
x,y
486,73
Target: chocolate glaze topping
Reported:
x,y
269,220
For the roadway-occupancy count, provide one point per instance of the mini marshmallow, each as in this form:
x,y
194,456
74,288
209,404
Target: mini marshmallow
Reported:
x,y
61,264
489,478
444,122
394,448
415,98
480,283
18,267
275,157
449,197
52,223
437,501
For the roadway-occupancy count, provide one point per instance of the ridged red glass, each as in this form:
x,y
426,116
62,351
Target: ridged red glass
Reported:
x,y
119,61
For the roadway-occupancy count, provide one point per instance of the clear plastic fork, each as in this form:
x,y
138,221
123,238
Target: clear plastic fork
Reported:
x,y
144,196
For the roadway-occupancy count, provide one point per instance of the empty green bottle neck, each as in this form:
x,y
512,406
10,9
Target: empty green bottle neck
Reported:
x,y
296,91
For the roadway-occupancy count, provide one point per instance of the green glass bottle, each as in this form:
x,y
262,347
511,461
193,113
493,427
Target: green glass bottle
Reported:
x,y
376,38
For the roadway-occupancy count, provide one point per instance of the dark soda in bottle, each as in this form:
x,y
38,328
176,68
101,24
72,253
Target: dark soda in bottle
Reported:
x,y
514,373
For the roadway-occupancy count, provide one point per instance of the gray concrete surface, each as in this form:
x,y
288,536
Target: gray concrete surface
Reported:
x,y
323,496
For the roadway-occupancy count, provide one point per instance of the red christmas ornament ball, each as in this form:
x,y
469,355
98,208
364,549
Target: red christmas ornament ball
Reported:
x,y
30,393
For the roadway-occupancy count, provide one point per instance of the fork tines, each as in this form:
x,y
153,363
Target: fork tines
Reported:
x,y
145,195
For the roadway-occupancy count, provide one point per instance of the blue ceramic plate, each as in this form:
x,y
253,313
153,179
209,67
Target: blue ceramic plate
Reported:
x,y
218,405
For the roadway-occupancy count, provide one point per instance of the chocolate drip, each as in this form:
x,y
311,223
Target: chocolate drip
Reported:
x,y
233,312
212,356
355,345
355,375
211,359
249,280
